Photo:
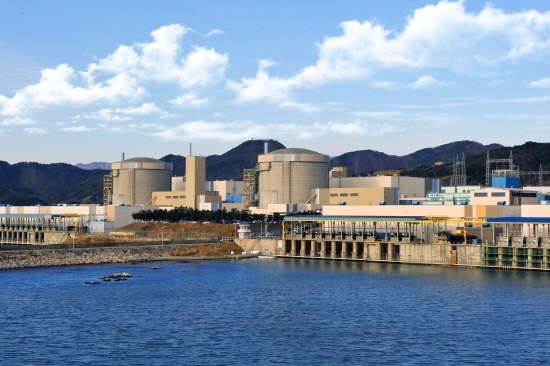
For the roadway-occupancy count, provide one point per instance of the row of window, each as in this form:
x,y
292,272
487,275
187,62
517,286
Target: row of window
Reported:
x,y
344,194
175,197
503,194
493,194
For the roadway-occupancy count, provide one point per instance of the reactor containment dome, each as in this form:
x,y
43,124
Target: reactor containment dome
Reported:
x,y
134,180
287,175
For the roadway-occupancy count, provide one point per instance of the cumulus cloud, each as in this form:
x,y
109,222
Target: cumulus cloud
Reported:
x,y
263,86
443,36
230,131
541,83
123,75
122,114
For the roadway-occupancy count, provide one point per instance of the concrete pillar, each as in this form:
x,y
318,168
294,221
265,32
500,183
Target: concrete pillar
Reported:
x,y
293,248
500,257
303,248
344,254
514,257
333,249
354,251
390,251
323,253
529,263
313,251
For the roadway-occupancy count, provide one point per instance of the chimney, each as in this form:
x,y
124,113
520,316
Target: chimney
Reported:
x,y
266,147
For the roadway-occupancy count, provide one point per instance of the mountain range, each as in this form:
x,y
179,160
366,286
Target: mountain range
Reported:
x,y
29,183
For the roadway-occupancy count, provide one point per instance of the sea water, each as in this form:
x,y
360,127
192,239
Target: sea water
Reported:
x,y
271,312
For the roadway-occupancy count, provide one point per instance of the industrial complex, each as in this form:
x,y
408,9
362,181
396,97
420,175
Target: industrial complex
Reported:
x,y
327,213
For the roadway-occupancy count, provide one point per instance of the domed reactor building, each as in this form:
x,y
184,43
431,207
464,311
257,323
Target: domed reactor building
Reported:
x,y
132,181
286,176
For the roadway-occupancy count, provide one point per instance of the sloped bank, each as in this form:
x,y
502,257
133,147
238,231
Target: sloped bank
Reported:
x,y
119,254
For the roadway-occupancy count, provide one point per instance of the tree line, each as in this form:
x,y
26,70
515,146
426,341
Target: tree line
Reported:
x,y
186,214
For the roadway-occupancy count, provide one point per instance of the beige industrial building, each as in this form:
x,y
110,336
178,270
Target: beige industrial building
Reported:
x,y
355,196
407,188
504,196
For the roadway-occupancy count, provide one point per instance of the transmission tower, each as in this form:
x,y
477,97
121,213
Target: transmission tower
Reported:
x,y
459,171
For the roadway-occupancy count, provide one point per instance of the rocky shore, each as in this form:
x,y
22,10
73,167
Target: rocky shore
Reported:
x,y
98,255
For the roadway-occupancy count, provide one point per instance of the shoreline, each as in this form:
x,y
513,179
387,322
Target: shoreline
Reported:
x,y
44,257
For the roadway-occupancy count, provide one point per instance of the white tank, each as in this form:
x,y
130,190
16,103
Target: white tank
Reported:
x,y
134,180
286,176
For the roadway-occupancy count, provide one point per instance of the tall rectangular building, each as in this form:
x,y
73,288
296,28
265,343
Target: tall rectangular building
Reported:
x,y
195,179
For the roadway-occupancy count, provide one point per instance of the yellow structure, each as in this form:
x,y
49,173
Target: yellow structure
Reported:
x,y
195,179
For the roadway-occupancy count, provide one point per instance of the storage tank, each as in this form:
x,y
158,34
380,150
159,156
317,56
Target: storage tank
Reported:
x,y
134,180
287,175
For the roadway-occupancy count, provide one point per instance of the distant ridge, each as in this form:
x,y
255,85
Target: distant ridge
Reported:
x,y
47,184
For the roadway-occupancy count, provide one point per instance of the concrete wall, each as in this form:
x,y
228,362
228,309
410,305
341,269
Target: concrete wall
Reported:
x,y
91,210
266,246
403,210
535,210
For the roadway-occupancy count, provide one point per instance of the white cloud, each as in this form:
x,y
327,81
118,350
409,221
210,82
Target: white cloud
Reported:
x,y
238,130
35,131
17,121
80,128
541,83
123,75
122,114
443,36
263,86
189,101
214,32
422,82
213,131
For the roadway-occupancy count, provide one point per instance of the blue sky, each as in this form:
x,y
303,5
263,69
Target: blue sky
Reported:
x,y
84,81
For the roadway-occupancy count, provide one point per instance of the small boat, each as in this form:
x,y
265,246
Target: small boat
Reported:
x,y
92,283
155,267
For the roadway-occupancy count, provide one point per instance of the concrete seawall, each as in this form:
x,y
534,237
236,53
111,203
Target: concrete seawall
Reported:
x,y
77,256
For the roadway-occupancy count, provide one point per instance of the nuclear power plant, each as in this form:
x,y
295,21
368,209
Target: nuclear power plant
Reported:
x,y
375,218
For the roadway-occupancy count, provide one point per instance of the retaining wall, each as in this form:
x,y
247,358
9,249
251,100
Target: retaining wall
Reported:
x,y
69,257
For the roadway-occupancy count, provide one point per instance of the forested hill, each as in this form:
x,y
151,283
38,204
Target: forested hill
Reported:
x,y
529,157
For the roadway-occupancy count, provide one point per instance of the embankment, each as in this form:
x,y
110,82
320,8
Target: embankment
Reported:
x,y
119,254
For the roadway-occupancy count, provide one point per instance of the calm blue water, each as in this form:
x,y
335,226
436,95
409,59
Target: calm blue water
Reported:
x,y
262,312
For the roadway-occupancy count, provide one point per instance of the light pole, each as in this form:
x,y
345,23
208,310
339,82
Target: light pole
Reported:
x,y
162,235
